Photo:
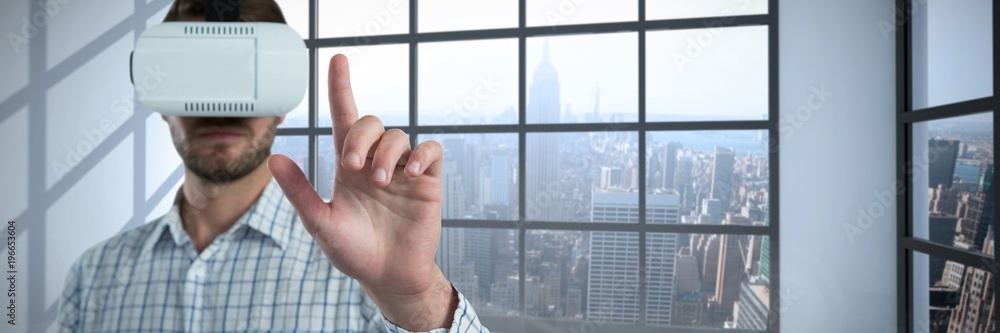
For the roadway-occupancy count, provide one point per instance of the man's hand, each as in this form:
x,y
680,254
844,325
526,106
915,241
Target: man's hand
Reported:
x,y
383,223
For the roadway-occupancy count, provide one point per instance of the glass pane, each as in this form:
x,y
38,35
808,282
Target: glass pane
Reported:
x,y
952,181
327,160
583,79
582,275
952,297
296,14
952,51
707,74
562,12
468,82
480,175
483,265
446,15
676,9
582,177
708,280
295,147
380,79
346,18
707,177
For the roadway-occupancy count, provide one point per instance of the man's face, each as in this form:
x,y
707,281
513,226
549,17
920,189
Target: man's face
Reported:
x,y
222,150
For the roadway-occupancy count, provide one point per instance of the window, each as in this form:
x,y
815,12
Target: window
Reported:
x,y
608,164
946,99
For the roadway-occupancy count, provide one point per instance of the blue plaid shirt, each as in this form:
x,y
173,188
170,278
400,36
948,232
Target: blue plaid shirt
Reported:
x,y
264,274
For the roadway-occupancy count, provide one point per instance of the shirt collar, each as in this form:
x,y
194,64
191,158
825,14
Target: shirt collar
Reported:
x,y
271,215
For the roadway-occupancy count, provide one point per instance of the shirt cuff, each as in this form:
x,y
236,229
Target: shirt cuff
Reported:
x,y
465,319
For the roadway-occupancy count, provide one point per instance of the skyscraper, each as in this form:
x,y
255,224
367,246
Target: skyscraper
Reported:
x,y
751,312
722,176
974,312
612,295
942,155
764,268
730,273
543,153
661,249
670,163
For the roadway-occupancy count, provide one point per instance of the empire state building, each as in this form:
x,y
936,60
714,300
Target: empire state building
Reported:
x,y
543,150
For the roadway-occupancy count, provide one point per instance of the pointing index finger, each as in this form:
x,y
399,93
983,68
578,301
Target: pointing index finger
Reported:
x,y
343,110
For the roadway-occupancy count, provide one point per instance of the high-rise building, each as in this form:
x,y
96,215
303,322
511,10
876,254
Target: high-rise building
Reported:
x,y
542,160
689,309
467,254
682,181
941,170
686,277
764,268
453,205
500,176
751,312
708,258
722,176
730,273
974,312
661,249
611,292
975,212
753,252
669,163
713,208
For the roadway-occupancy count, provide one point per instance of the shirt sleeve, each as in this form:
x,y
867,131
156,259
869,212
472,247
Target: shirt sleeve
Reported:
x,y
465,320
68,318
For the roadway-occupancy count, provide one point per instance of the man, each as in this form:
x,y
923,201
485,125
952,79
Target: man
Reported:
x,y
233,255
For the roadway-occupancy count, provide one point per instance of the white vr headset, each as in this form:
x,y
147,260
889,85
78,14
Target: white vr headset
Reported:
x,y
220,69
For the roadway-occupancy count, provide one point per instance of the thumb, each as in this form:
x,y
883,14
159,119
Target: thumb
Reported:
x,y
298,190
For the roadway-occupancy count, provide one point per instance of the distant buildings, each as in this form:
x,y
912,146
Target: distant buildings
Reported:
x,y
941,168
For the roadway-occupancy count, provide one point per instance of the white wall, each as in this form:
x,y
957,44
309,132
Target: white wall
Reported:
x,y
79,161
837,158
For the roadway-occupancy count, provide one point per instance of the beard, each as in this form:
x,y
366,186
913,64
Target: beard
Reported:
x,y
209,162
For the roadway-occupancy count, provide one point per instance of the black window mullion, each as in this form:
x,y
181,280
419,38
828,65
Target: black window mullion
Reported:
x,y
414,13
774,174
539,31
522,152
643,273
312,95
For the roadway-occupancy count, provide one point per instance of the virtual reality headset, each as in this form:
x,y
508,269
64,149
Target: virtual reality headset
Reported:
x,y
221,67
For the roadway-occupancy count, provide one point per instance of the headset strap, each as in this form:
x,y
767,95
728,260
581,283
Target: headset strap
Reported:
x,y
222,10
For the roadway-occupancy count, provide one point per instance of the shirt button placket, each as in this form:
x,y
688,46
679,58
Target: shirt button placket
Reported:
x,y
194,294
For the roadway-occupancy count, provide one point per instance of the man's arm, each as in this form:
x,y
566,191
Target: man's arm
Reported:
x,y
460,318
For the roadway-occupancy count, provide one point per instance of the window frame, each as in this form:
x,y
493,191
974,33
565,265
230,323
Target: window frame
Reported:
x,y
906,116
522,32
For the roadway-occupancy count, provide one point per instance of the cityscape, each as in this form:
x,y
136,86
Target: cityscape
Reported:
x,y
692,177
960,199
710,177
